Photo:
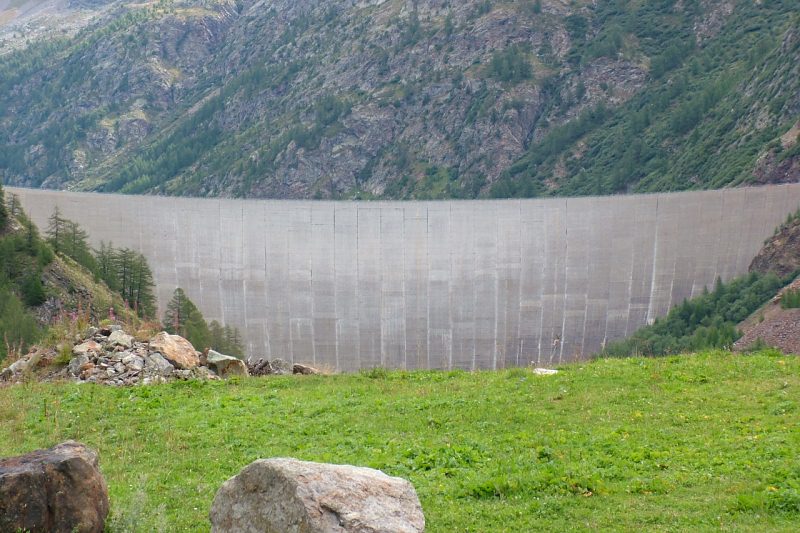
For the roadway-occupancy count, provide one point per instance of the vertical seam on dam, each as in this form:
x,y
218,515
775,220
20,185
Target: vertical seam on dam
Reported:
x,y
654,270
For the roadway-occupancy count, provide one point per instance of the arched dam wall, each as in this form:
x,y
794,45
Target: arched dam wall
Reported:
x,y
451,284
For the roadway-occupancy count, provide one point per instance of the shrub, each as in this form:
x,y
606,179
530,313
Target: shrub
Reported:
x,y
707,321
790,299
32,290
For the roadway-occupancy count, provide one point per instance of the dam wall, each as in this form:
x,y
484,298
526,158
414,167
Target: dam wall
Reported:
x,y
450,284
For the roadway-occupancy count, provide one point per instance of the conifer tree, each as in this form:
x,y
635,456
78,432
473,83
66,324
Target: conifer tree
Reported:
x,y
217,335
183,318
176,313
55,230
134,280
233,342
104,257
76,245
142,297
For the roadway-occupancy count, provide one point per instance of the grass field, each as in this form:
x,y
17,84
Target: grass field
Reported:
x,y
703,442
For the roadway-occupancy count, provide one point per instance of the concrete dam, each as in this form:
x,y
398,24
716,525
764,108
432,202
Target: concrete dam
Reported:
x,y
450,284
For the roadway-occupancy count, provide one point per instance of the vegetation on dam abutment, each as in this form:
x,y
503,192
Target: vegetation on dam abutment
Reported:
x,y
691,442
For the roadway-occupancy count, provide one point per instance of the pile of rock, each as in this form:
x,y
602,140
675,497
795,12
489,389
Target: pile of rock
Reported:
x,y
278,367
110,356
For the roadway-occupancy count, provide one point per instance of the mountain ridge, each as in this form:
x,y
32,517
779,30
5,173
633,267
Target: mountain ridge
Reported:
x,y
407,100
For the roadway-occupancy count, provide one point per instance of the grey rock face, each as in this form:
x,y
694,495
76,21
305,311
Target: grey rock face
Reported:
x,y
55,490
291,496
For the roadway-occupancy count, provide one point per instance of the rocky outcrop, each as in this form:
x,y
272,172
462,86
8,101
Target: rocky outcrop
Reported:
x,y
781,252
287,495
58,490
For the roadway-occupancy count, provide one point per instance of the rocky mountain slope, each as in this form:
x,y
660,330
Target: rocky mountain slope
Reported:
x,y
781,252
407,98
24,21
777,322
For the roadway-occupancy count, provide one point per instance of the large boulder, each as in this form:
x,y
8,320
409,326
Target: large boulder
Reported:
x,y
176,350
55,490
287,495
226,366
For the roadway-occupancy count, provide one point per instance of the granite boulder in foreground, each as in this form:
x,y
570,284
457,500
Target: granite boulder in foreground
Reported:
x,y
55,490
291,496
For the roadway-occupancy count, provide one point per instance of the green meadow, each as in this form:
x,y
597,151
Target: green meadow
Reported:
x,y
705,442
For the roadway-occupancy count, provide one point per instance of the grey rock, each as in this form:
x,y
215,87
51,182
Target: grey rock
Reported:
x,y
157,364
120,338
287,495
226,366
134,362
76,363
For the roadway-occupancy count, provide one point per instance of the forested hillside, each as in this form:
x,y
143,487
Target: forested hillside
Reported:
x,y
53,281
408,99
